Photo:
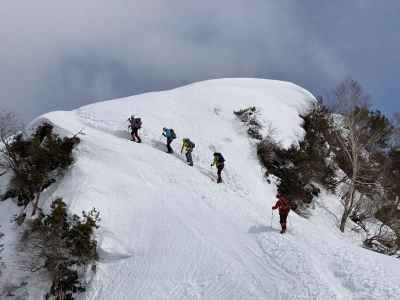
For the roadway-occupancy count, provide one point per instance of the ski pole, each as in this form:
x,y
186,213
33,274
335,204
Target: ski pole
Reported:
x,y
272,216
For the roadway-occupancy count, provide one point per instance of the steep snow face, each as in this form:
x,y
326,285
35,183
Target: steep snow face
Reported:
x,y
168,231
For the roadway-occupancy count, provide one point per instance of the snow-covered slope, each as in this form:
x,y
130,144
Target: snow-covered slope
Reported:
x,y
168,231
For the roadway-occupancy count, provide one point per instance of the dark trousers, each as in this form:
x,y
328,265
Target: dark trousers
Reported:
x,y
220,167
282,219
135,135
189,158
169,148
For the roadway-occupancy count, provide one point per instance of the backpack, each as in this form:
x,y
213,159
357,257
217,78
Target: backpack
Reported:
x,y
137,123
130,120
172,134
293,205
190,144
134,123
220,158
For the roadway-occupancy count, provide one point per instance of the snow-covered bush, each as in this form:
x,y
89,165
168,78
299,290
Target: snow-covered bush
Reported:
x,y
249,117
389,215
300,167
382,239
64,245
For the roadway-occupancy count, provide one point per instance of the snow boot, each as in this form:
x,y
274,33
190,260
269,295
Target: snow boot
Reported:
x,y
283,225
169,149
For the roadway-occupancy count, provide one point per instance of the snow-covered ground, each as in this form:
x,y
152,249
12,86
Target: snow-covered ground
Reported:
x,y
168,231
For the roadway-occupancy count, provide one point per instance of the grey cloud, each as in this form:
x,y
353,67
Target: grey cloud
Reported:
x,y
60,55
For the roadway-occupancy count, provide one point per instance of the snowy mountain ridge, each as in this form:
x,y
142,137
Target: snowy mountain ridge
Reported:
x,y
168,231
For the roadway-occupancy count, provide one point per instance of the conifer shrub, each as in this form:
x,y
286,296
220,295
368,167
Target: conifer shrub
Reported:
x,y
36,162
64,246
315,158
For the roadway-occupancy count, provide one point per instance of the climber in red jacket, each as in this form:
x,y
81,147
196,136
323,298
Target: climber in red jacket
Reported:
x,y
284,207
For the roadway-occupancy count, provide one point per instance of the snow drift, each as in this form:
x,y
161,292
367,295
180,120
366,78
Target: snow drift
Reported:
x,y
168,231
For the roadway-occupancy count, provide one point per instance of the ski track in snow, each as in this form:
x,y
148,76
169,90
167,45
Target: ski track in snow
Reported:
x,y
168,231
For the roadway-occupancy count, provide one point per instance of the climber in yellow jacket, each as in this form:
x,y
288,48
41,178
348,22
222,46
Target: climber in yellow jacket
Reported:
x,y
219,162
188,146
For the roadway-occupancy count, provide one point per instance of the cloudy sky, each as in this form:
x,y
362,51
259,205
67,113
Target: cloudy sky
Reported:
x,y
58,55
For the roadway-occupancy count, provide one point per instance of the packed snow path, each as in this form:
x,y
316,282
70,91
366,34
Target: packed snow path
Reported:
x,y
168,231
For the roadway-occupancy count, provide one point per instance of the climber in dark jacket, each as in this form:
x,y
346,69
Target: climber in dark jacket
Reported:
x,y
135,124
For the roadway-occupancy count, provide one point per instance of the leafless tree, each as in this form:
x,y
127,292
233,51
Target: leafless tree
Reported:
x,y
354,136
347,95
1,250
9,127
396,130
